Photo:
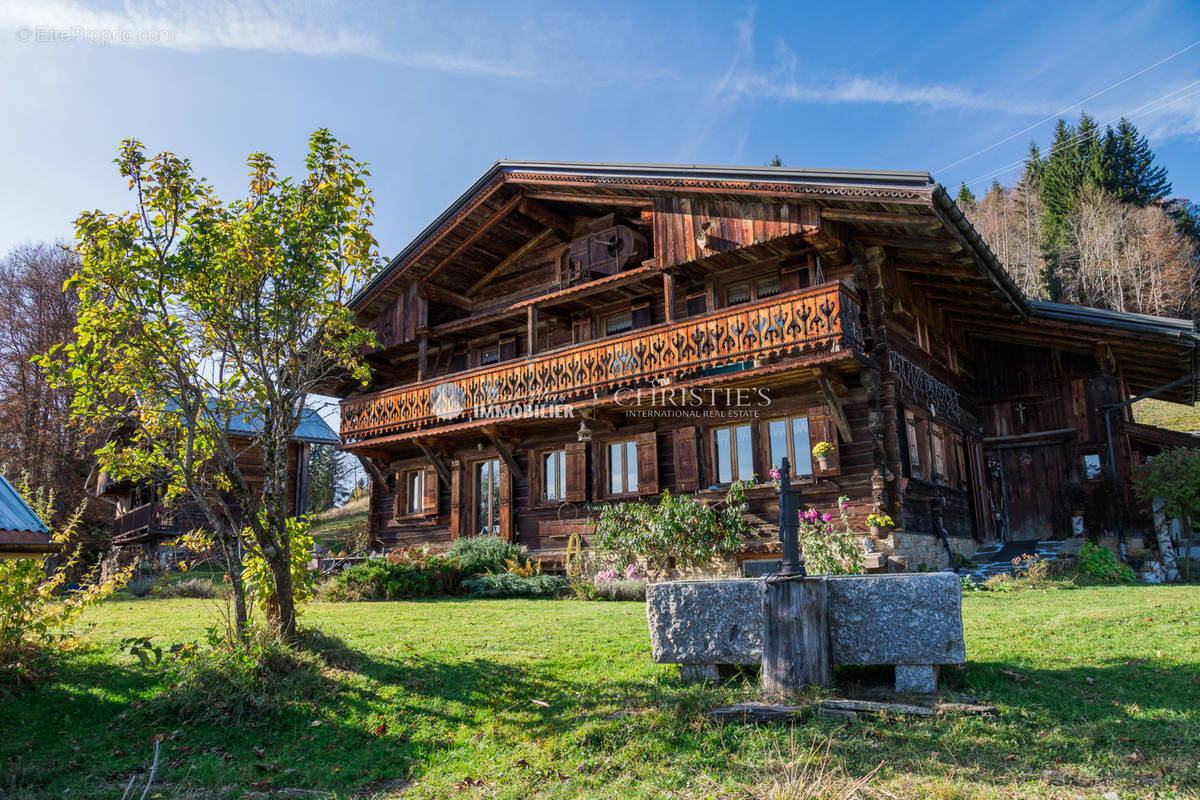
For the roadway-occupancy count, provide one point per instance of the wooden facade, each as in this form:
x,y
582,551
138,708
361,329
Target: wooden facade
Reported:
x,y
569,335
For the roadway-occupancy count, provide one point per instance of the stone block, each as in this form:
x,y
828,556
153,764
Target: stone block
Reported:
x,y
917,678
873,619
706,622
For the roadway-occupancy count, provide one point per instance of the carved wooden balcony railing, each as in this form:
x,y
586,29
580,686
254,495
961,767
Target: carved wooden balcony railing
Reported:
x,y
821,319
159,519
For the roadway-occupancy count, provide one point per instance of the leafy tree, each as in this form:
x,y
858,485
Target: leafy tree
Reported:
x,y
195,313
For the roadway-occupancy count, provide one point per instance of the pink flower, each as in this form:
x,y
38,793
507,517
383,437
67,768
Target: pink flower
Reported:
x,y
775,473
827,518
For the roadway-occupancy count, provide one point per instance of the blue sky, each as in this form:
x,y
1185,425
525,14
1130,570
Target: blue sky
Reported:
x,y
432,93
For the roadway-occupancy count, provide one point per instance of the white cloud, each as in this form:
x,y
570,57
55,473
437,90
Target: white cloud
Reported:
x,y
285,26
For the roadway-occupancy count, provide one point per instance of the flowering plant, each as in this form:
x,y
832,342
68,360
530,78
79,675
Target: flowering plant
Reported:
x,y
828,551
880,521
822,449
776,477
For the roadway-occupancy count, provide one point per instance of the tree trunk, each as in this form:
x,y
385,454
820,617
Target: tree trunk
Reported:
x,y
1162,528
233,563
282,612
796,650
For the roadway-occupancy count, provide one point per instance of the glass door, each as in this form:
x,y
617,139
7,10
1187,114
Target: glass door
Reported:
x,y
487,497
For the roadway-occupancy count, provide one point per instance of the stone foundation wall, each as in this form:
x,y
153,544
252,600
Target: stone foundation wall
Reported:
x,y
906,552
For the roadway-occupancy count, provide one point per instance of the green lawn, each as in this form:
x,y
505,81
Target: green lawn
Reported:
x,y
519,699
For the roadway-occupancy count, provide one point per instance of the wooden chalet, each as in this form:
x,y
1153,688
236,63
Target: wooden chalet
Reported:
x,y
565,335
143,519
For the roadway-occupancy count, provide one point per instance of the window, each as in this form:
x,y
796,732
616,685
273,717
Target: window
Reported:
x,y
734,453
938,445
789,437
414,485
766,287
489,356
554,475
622,467
618,323
738,293
913,428
921,333
1092,468
697,304
487,497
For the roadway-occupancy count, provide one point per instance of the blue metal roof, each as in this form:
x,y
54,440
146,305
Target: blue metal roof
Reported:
x,y
312,427
15,513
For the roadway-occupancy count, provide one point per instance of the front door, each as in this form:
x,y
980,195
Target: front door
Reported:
x,y
1025,488
487,497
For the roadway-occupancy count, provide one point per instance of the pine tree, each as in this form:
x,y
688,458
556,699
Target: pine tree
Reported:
x,y
1136,178
966,198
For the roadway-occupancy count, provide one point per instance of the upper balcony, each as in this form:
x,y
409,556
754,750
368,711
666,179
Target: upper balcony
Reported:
x,y
821,319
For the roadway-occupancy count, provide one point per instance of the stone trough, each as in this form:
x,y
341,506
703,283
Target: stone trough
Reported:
x,y
910,621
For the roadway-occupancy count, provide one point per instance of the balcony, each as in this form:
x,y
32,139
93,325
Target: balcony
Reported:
x,y
156,519
822,319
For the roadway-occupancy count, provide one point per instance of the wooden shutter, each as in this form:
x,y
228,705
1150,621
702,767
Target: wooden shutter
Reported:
x,y
398,493
821,428
575,464
456,470
647,463
687,461
506,505
429,505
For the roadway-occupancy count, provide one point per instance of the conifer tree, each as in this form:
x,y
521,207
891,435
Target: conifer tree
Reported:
x,y
965,198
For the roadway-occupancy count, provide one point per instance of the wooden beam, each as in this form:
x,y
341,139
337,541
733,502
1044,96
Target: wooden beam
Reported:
x,y
593,199
828,240
531,326
422,358
669,296
917,244
500,214
443,471
536,211
835,405
511,259
505,451
431,291
880,218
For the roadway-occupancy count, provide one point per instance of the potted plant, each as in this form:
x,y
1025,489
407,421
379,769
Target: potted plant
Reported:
x,y
776,477
877,522
821,451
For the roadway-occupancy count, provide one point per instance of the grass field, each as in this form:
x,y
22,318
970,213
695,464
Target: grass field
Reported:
x,y
557,699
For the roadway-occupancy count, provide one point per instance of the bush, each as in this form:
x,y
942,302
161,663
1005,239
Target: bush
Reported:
x,y
377,579
1100,563
194,588
475,555
141,586
508,585
237,683
619,589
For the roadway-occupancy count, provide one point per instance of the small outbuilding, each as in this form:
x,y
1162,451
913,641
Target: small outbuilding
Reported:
x,y
22,533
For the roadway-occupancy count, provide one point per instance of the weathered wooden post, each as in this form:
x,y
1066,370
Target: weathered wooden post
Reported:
x,y
795,650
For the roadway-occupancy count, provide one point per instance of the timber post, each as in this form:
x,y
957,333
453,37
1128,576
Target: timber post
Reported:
x,y
795,649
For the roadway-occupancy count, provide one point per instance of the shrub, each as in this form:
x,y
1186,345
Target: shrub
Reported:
x,y
508,585
1099,563
475,555
376,579
141,585
35,604
680,530
826,550
619,589
195,588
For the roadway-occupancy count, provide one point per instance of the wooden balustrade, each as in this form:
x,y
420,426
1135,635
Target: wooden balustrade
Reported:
x,y
160,519
821,319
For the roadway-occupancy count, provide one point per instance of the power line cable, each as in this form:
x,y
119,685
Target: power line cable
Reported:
x,y
1072,106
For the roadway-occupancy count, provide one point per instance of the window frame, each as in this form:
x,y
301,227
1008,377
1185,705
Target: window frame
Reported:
x,y
790,443
608,318
734,460
628,451
559,454
495,468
